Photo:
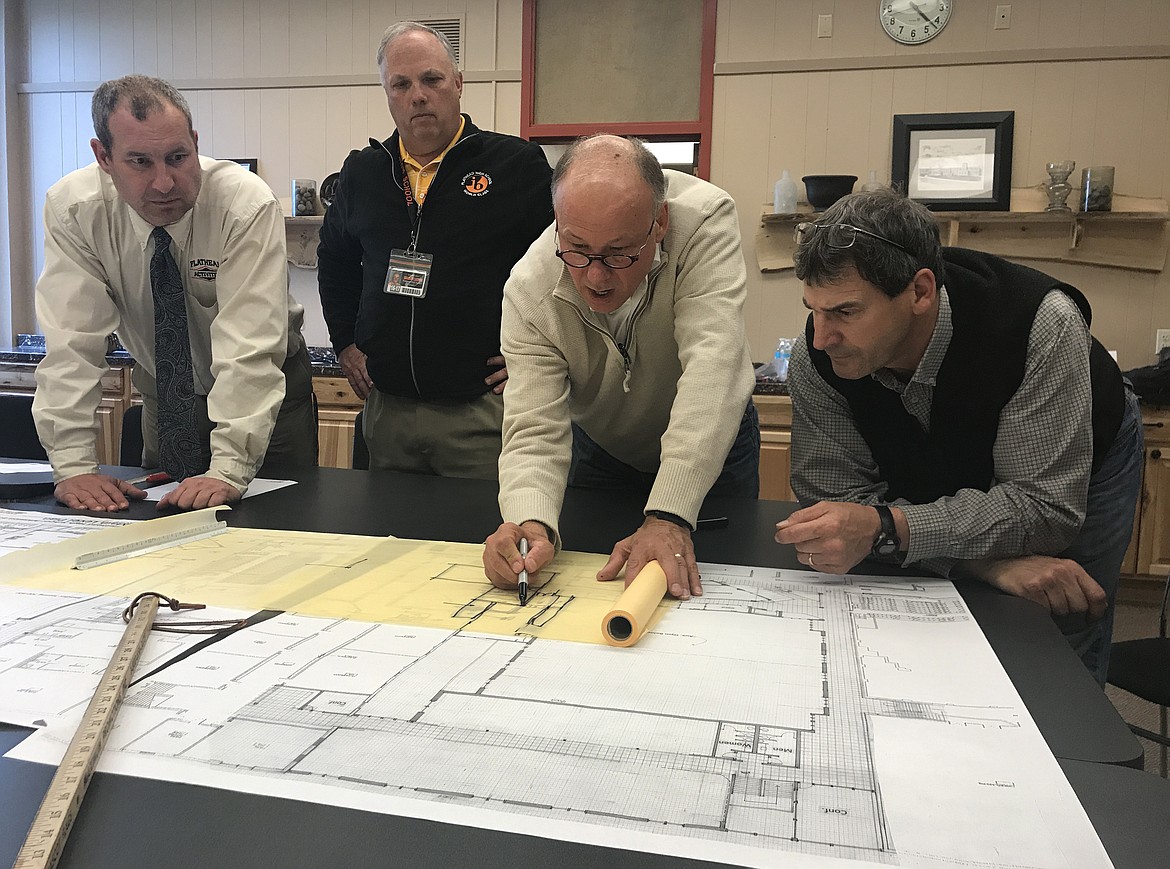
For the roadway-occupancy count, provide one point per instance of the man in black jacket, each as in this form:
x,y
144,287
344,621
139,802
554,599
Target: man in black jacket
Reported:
x,y
414,252
951,410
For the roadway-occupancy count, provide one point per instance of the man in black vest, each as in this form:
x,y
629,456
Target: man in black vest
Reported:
x,y
952,411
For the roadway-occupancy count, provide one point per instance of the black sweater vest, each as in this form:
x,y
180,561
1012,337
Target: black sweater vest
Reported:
x,y
993,305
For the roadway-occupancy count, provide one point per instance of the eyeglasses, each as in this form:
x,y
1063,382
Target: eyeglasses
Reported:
x,y
839,235
577,260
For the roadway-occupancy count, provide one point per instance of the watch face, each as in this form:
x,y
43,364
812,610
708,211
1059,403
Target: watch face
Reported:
x,y
914,21
885,546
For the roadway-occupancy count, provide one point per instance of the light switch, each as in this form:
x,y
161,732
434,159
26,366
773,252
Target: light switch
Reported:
x,y
824,26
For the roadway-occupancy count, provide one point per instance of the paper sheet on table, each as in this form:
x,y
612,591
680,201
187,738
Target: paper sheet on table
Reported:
x,y
256,487
376,579
55,645
24,529
782,718
25,468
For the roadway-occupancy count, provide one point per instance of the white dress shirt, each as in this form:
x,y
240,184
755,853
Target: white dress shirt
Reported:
x,y
242,321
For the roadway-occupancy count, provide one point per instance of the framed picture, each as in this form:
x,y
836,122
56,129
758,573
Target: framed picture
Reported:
x,y
959,161
249,163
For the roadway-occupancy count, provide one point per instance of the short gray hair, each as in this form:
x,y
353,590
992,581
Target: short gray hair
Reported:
x,y
403,27
143,95
641,156
884,213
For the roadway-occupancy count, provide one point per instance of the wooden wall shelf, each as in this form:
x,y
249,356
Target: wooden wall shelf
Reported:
x,y
301,236
1135,240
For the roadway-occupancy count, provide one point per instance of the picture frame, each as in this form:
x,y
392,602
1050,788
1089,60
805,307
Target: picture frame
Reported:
x,y
252,164
954,161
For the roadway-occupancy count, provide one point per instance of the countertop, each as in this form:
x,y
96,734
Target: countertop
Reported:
x,y
30,353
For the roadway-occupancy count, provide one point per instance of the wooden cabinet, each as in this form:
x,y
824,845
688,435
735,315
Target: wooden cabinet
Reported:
x,y
337,408
775,446
1149,552
18,378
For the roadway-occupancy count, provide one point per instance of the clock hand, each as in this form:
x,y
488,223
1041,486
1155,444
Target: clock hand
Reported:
x,y
918,9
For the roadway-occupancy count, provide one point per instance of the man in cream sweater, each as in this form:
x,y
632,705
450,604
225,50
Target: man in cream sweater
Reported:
x,y
629,367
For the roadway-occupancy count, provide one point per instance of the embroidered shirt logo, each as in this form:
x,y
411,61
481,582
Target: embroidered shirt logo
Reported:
x,y
204,269
476,183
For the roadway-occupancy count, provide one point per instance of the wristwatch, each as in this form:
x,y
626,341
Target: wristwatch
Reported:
x,y
670,517
886,543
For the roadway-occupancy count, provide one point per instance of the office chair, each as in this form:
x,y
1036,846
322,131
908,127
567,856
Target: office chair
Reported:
x,y
361,454
130,451
1142,667
18,434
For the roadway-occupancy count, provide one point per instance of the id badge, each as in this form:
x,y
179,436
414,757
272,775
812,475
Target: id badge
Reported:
x,y
409,273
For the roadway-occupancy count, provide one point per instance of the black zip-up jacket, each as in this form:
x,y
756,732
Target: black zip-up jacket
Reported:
x,y
488,202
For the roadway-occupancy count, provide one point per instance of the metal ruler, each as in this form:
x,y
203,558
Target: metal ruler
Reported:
x,y
46,837
150,544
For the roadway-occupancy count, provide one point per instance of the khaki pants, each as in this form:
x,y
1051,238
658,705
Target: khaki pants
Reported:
x,y
456,438
294,439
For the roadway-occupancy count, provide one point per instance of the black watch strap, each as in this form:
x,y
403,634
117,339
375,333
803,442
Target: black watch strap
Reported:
x,y
886,544
670,517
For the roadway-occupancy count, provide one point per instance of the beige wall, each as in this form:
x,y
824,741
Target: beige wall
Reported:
x,y
785,99
1089,80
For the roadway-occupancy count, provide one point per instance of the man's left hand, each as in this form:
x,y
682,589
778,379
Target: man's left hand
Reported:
x,y
1058,584
668,544
195,493
831,536
497,379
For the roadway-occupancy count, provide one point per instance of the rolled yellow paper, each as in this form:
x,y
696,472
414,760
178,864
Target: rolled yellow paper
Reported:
x,y
625,623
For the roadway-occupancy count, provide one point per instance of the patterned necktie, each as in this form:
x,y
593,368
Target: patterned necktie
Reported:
x,y
178,446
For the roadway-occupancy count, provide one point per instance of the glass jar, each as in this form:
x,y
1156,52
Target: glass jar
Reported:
x,y
304,197
1097,188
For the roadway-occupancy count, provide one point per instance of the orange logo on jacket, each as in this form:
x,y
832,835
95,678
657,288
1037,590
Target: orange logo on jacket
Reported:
x,y
476,183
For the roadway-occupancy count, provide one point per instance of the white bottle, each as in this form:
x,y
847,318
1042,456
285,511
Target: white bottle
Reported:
x,y
872,183
784,196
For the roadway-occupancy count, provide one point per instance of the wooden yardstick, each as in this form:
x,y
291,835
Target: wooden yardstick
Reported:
x,y
46,837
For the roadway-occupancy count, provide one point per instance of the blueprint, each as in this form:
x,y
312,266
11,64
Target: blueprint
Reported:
x,y
23,529
54,647
374,579
783,717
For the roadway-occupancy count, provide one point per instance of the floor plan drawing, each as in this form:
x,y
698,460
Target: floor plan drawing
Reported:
x,y
54,647
784,716
22,529
375,579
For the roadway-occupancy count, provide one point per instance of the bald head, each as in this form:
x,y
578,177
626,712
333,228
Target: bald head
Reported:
x,y
623,166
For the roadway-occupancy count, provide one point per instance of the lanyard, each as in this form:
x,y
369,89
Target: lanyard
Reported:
x,y
413,208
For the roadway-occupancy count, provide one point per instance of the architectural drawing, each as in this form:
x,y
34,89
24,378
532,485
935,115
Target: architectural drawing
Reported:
x,y
782,717
373,579
54,647
22,529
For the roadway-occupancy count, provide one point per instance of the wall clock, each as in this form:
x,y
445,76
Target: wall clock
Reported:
x,y
913,22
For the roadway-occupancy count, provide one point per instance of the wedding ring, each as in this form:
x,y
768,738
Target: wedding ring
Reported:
x,y
810,561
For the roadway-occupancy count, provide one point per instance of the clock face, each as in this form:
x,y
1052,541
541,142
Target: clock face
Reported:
x,y
914,21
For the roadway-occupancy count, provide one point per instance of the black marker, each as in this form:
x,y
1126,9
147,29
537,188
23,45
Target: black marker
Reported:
x,y
522,588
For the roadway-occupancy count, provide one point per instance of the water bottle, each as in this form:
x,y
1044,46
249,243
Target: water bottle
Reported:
x,y
784,196
783,355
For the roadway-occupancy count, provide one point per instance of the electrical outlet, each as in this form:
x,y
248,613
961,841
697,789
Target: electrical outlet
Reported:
x,y
824,26
1163,340
1003,17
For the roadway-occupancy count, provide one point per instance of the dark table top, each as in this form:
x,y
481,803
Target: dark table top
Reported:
x,y
130,822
